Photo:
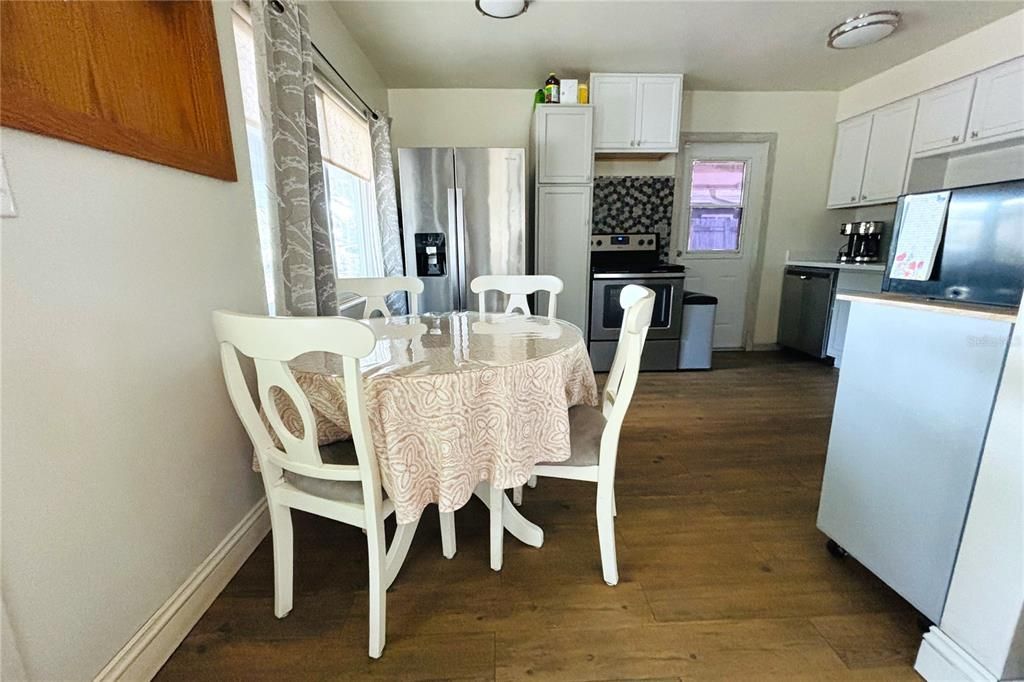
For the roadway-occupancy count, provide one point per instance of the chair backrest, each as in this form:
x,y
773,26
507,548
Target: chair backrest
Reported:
x,y
517,287
377,289
272,342
638,303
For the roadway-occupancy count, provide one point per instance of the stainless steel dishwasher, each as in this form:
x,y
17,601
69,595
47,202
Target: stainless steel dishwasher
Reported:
x,y
807,295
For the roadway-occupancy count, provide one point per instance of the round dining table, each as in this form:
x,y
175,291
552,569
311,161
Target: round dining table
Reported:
x,y
459,403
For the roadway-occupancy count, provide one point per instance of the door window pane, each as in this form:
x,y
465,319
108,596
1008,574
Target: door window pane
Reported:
x,y
716,205
714,229
717,183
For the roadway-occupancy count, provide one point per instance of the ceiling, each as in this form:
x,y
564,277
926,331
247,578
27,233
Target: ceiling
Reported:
x,y
724,45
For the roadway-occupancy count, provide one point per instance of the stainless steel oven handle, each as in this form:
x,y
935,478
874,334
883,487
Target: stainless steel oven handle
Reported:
x,y
638,275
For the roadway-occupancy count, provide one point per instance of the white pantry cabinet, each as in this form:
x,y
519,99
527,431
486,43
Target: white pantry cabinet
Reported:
x,y
563,143
998,101
636,112
563,246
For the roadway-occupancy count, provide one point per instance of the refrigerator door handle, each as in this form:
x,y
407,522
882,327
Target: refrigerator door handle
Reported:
x,y
460,237
454,250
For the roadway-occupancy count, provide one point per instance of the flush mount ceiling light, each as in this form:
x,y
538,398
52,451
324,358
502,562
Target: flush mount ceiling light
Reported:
x,y
863,29
502,9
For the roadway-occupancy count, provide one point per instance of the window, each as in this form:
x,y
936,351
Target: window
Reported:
x,y
348,171
717,191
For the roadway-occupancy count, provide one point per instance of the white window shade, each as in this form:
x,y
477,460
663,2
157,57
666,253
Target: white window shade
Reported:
x,y
344,135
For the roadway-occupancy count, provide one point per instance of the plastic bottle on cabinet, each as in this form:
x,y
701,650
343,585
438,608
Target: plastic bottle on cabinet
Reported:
x,y
551,87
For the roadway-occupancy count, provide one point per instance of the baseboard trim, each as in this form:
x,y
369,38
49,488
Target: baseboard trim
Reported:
x,y
940,659
150,647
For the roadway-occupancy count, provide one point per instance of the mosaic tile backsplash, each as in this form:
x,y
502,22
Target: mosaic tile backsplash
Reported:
x,y
634,203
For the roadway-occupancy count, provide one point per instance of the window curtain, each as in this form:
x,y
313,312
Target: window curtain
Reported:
x,y
387,207
304,279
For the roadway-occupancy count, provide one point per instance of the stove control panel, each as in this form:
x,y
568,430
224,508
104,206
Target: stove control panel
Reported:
x,y
624,242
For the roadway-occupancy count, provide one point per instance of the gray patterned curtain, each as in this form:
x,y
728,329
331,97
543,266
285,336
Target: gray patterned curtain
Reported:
x,y
304,274
387,206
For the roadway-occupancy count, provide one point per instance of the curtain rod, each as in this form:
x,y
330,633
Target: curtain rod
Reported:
x,y
278,7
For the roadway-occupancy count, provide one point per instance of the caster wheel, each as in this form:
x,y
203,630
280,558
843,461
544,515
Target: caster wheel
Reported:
x,y
835,550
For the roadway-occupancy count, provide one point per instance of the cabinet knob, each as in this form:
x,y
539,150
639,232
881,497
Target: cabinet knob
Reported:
x,y
956,138
974,134
863,196
853,198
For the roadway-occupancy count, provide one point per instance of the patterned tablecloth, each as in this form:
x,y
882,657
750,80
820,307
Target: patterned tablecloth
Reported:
x,y
456,399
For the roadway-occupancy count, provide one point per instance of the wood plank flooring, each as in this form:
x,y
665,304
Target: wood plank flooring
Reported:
x,y
723,573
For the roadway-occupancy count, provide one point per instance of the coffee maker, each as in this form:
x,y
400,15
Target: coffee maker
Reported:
x,y
863,242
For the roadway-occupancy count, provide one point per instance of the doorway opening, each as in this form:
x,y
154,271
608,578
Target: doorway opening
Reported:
x,y
718,230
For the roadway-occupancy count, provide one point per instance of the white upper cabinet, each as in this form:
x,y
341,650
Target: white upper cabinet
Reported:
x,y
563,143
636,112
615,116
658,102
852,139
998,101
942,116
888,152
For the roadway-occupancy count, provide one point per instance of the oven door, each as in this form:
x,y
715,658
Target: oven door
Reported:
x,y
606,313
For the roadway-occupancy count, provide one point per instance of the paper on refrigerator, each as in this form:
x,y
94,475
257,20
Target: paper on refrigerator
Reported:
x,y
921,224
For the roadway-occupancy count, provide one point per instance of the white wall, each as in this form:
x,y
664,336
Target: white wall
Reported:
x,y
331,36
124,464
804,122
974,51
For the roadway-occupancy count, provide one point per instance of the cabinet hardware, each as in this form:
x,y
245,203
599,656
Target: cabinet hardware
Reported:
x,y
853,198
863,197
974,134
956,138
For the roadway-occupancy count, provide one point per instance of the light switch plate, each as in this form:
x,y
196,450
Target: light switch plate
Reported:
x,y
7,208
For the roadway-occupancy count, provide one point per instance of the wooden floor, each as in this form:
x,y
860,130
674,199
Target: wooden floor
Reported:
x,y
723,574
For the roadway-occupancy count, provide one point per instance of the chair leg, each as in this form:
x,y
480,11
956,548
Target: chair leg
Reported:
x,y
495,499
517,496
532,482
281,535
399,549
378,591
606,534
447,534
615,511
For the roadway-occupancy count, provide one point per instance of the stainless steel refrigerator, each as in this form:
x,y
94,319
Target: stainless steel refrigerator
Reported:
x,y
463,215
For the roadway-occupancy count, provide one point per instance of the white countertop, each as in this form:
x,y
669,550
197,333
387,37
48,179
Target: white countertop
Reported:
x,y
864,267
948,307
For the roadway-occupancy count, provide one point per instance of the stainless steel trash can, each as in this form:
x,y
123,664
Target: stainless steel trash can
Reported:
x,y
698,330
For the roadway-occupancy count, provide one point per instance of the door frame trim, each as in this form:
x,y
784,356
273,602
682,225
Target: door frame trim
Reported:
x,y
757,263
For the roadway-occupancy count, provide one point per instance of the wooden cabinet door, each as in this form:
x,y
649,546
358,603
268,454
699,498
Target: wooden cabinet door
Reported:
x,y
564,144
999,101
852,139
888,152
658,103
563,246
942,116
614,98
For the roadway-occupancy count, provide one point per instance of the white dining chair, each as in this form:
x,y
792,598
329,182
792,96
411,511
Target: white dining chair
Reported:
x,y
339,481
594,434
377,289
517,287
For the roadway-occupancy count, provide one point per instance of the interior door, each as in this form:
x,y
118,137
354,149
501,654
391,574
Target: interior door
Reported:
x,y
718,228
491,216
